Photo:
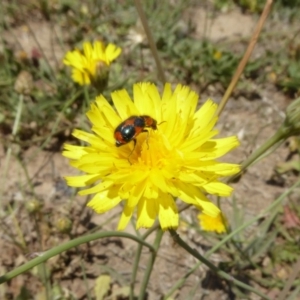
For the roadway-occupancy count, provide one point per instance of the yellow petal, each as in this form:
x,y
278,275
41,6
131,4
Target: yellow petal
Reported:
x,y
104,201
168,214
88,50
90,138
124,104
112,52
203,117
125,217
185,95
216,148
100,187
169,111
136,194
195,142
147,212
192,195
219,169
147,100
74,152
83,180
80,77
218,188
107,112
217,224
99,51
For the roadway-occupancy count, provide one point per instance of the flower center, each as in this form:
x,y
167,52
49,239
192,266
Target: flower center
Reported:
x,y
151,150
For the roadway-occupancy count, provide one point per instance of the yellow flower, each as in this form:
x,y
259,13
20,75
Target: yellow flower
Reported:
x,y
176,160
91,64
217,55
209,223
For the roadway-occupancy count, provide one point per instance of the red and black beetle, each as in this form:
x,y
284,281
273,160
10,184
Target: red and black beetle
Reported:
x,y
129,129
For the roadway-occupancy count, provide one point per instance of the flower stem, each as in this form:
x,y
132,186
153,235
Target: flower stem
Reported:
x,y
137,259
212,267
151,41
134,270
66,246
279,135
159,235
9,150
246,56
87,99
42,267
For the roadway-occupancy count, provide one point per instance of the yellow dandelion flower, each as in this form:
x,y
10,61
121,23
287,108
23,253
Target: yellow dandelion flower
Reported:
x,y
209,223
178,160
92,63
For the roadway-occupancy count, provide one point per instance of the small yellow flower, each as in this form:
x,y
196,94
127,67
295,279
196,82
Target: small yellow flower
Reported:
x,y
92,64
209,223
217,55
178,160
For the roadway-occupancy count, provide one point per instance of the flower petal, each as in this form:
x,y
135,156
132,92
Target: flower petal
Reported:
x,y
217,224
147,212
83,180
104,201
192,195
100,187
147,100
124,104
217,188
168,213
112,52
125,217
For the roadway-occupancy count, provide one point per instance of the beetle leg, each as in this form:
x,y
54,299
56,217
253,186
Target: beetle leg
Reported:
x,y
134,141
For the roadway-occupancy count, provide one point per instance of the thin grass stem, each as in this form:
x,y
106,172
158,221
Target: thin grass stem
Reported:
x,y
9,150
151,41
69,245
271,142
246,56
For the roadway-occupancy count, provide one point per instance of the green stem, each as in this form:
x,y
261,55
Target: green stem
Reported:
x,y
212,267
9,150
134,270
273,140
277,202
64,247
151,41
85,280
159,235
137,259
42,267
86,97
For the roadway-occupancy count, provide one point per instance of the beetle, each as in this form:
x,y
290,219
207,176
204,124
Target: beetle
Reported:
x,y
129,129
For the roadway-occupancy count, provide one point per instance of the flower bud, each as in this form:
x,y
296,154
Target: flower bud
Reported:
x,y
64,225
292,120
24,83
33,206
100,80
